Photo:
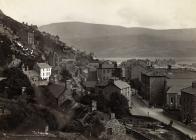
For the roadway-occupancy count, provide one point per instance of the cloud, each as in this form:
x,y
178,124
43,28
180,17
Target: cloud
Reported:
x,y
159,13
145,13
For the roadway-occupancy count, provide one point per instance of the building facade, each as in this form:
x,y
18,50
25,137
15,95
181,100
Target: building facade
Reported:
x,y
153,84
173,91
188,103
44,70
173,98
120,87
106,71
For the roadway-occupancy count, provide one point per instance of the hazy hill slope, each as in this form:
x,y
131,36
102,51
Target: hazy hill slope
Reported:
x,y
117,41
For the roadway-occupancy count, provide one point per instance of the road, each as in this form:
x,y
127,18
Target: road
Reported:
x,y
140,108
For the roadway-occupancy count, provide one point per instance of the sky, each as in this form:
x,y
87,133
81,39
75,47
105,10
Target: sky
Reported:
x,y
158,14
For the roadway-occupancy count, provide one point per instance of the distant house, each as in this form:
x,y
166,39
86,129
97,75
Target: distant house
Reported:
x,y
173,98
153,84
107,70
134,71
134,68
30,38
118,86
175,82
39,75
61,92
91,81
44,70
173,92
188,103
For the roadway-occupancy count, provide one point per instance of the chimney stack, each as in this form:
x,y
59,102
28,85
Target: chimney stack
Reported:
x,y
23,90
113,116
94,105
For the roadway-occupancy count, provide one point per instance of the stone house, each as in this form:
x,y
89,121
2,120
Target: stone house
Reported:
x,y
134,71
188,103
107,70
173,92
118,86
114,127
175,82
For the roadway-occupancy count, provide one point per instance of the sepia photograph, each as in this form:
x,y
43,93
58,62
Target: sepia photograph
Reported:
x,y
97,69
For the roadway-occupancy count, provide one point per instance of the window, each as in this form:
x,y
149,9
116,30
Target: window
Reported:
x,y
172,100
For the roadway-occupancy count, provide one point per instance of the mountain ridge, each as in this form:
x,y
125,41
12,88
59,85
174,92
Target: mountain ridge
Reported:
x,y
118,41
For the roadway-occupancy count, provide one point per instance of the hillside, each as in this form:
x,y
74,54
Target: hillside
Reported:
x,y
14,41
117,41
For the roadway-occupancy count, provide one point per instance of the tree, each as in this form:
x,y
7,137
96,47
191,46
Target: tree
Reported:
x,y
119,104
15,81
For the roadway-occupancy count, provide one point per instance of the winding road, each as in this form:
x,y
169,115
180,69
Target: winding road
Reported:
x,y
140,108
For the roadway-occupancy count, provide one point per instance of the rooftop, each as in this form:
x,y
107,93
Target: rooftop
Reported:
x,y
43,65
31,73
175,89
179,82
155,73
182,75
56,89
190,90
121,84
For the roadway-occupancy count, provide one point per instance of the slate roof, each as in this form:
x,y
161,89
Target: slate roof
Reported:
x,y
31,73
182,75
190,90
179,82
43,65
155,73
175,89
56,90
121,84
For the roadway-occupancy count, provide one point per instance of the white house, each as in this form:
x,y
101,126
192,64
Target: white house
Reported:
x,y
44,70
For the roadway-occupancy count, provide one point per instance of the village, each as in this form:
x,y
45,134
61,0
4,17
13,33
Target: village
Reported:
x,y
65,93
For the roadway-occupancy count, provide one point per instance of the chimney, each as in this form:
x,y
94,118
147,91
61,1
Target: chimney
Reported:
x,y
94,105
68,84
27,68
23,90
112,116
23,68
194,84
